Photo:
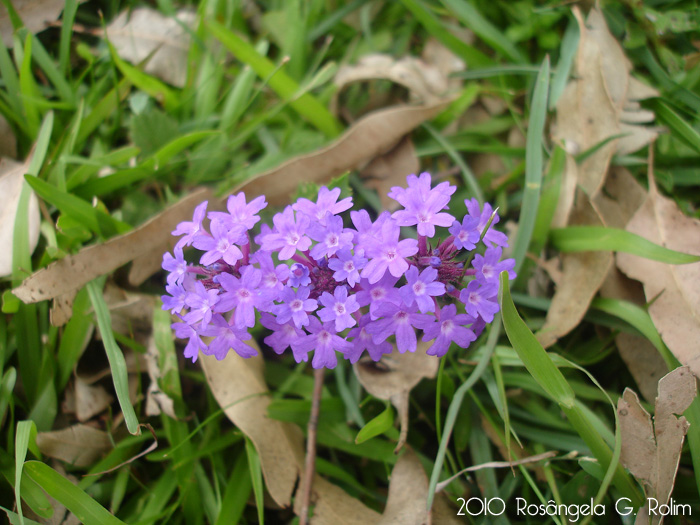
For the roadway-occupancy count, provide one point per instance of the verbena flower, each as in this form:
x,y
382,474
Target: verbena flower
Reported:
x,y
318,286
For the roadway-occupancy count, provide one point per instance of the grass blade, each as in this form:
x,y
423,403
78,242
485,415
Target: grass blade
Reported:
x,y
256,477
376,426
678,126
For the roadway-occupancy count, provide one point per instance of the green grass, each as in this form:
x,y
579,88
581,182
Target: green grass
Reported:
x,y
109,146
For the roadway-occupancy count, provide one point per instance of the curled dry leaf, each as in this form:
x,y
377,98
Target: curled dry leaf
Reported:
x,y
601,102
674,289
239,387
35,14
72,272
86,400
652,452
157,401
11,182
373,135
394,376
79,445
408,493
141,33
131,313
582,275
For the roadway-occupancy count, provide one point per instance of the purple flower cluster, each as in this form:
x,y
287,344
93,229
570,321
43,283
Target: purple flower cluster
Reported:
x,y
319,285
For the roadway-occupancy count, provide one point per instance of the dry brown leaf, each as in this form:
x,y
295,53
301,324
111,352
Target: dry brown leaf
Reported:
x,y
90,400
408,493
131,313
394,376
373,135
142,32
79,445
8,141
389,169
35,14
600,103
11,182
652,453
157,401
72,272
333,506
674,289
582,275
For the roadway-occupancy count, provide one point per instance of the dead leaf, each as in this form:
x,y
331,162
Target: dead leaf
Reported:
x,y
79,445
140,33
11,182
90,400
394,376
674,289
157,401
131,313
35,14
445,61
388,169
74,271
601,102
582,275
408,493
332,505
8,141
652,453
373,135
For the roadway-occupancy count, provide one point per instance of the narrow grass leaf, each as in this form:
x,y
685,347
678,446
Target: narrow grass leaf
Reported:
x,y
533,166
86,509
47,65
534,357
376,426
306,104
567,52
117,363
28,88
497,71
67,20
22,436
103,109
255,469
235,497
600,238
679,127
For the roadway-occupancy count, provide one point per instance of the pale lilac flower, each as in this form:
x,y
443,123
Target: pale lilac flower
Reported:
x,y
177,266
192,229
289,234
492,235
347,267
326,205
339,307
284,336
450,328
388,253
422,288
479,299
467,234
299,275
226,336
243,294
176,300
194,343
489,266
324,341
331,237
221,244
398,321
363,340
201,302
423,205
374,294
240,213
365,230
295,306
273,276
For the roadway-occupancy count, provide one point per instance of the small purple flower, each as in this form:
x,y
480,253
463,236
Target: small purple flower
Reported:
x,y
466,235
243,294
273,276
375,294
450,328
192,229
194,345
347,267
423,205
299,275
365,230
325,204
422,288
226,336
284,336
388,253
289,235
201,302
479,299
363,341
324,340
239,212
177,266
330,237
398,321
295,306
176,300
339,307
221,244
489,267
492,235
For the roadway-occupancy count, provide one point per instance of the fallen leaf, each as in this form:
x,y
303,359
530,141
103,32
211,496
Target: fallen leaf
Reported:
x,y
157,401
600,103
388,169
35,14
79,445
131,313
394,376
652,452
373,135
408,493
567,192
11,182
73,271
90,400
146,34
332,505
8,141
674,289
582,275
